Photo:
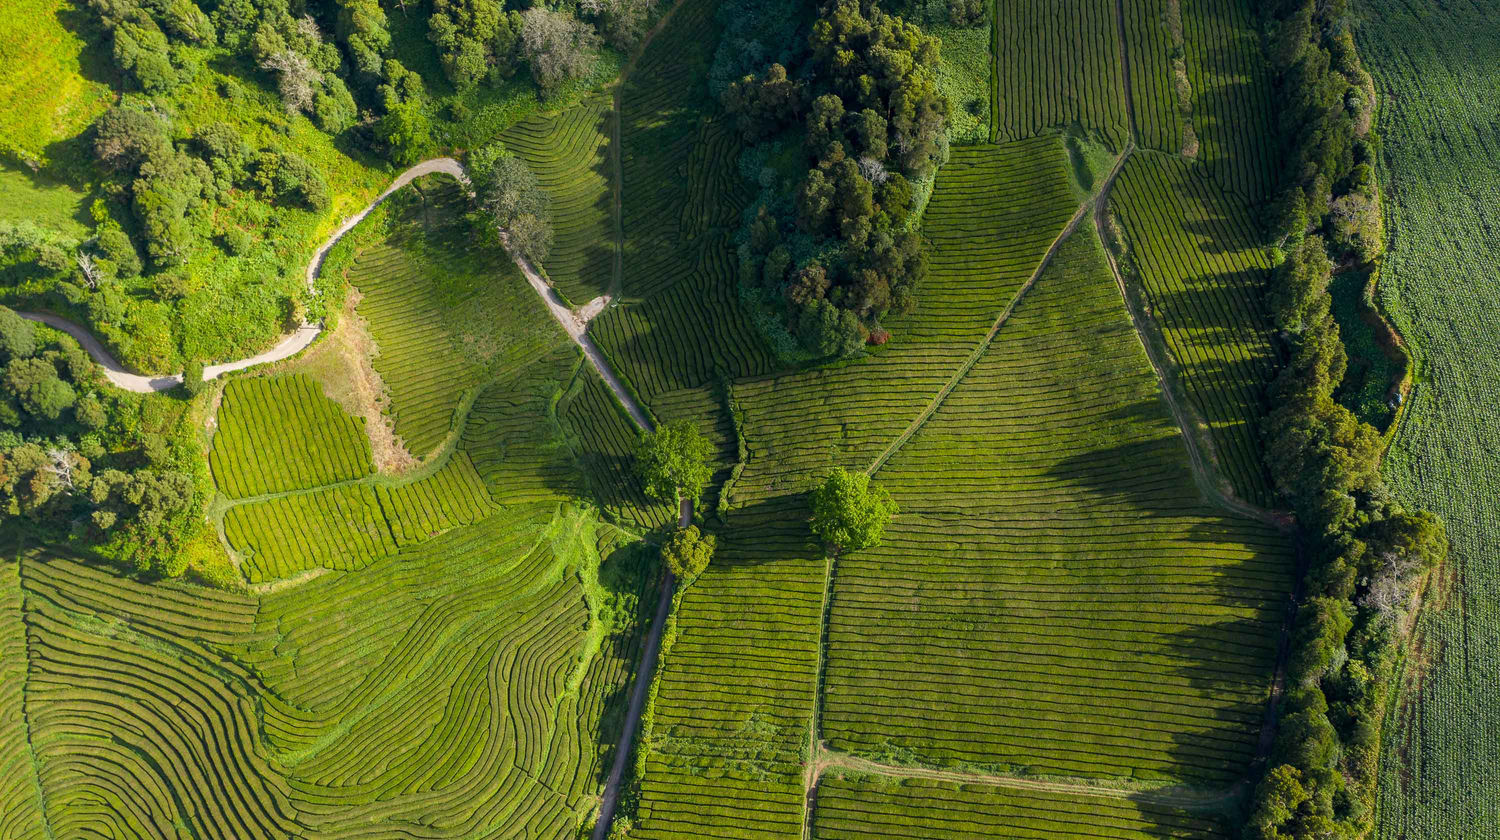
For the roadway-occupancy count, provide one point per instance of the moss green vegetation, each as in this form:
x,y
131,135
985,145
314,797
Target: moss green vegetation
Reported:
x,y
1094,617
923,809
47,94
429,291
1440,773
302,704
963,77
1194,253
280,433
26,196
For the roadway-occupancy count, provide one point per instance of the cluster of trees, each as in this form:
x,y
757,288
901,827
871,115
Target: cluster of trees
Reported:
x,y
1326,124
848,133
508,197
79,462
165,181
1366,552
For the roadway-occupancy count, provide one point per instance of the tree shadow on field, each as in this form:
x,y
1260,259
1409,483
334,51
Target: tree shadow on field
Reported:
x,y
769,531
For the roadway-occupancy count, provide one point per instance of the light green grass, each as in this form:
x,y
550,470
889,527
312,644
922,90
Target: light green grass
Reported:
x,y
43,202
47,97
964,80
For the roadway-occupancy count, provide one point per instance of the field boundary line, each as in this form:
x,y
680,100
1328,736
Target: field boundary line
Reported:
x,y
1174,797
968,364
814,745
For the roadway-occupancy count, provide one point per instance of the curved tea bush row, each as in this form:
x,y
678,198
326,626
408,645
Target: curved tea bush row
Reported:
x,y
431,294
603,439
1440,182
1057,64
925,809
454,495
994,212
1232,109
140,726
513,437
569,152
1055,597
723,742
450,690
347,527
1195,257
20,798
281,433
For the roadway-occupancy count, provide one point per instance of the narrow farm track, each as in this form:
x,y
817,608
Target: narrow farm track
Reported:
x,y
973,358
1205,474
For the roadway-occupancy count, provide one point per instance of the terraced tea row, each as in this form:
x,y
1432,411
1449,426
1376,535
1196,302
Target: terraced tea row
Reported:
x,y
430,293
1195,256
461,688
921,809
20,799
1232,110
724,745
347,526
569,153
281,433
680,323
1056,65
1055,597
994,212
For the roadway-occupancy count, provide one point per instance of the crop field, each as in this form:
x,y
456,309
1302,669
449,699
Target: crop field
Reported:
x,y
512,435
736,688
163,709
1202,277
569,152
429,295
1232,111
922,809
1149,41
603,439
20,799
994,212
280,433
1435,75
347,526
1057,64
680,323
1055,597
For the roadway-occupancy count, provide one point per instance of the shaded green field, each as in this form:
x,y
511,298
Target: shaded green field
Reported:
x,y
1055,597
1195,255
1058,64
1435,73
921,809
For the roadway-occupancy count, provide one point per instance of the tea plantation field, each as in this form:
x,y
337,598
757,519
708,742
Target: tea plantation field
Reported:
x,y
1434,70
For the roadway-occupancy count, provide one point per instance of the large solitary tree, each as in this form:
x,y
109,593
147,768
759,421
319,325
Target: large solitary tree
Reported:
x,y
848,513
673,462
687,552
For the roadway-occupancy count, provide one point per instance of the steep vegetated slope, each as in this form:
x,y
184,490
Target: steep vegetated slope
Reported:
x,y
569,152
1434,71
1055,598
430,293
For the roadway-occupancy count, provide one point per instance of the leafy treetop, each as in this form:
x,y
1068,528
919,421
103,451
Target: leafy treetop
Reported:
x,y
848,513
673,462
687,552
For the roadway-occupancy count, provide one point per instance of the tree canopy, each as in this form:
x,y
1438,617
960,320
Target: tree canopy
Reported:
x,y
673,462
850,513
687,553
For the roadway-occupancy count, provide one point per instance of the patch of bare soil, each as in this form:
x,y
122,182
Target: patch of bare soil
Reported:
x,y
342,364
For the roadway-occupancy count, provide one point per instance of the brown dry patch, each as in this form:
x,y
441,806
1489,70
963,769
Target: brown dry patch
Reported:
x,y
341,363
